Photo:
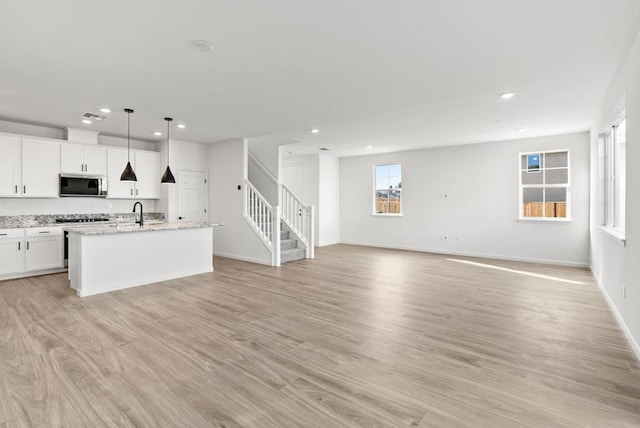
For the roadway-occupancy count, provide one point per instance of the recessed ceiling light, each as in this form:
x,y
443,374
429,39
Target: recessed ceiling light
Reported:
x,y
369,147
181,125
508,95
522,129
86,121
315,131
202,45
104,110
157,133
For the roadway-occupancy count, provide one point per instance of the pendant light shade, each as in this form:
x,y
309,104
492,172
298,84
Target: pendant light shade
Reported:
x,y
128,174
168,177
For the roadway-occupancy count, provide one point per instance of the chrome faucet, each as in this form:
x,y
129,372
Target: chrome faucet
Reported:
x,y
141,214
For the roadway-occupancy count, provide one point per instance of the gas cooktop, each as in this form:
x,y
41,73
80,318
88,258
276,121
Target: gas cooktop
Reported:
x,y
81,220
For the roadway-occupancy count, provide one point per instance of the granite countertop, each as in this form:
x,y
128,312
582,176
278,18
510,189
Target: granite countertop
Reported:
x,y
128,228
49,220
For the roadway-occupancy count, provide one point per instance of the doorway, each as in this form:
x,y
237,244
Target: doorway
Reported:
x,y
192,196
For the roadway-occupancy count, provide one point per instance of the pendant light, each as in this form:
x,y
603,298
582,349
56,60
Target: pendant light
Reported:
x,y
168,177
128,174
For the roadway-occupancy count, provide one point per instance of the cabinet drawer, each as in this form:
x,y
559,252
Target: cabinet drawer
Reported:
x,y
11,233
43,231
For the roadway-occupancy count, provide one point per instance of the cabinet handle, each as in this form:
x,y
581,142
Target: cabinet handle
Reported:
x,y
3,234
16,188
46,231
27,245
136,192
18,245
131,192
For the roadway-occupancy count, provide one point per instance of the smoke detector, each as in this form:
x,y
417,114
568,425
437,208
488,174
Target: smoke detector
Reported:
x,y
202,45
93,116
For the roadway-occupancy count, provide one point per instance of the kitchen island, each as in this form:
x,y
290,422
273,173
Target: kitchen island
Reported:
x,y
113,257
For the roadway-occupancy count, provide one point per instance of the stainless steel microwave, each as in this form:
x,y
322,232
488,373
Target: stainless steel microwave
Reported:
x,y
83,185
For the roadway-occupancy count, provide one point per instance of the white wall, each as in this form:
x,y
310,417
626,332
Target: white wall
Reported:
x,y
183,156
227,170
328,208
267,150
29,206
615,265
478,217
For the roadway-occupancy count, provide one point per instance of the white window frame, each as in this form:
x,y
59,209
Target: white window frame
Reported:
x,y
521,187
613,168
375,191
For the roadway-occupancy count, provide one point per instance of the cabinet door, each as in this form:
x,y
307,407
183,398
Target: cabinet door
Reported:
x,y
40,168
11,256
71,159
95,160
148,171
44,253
116,161
10,166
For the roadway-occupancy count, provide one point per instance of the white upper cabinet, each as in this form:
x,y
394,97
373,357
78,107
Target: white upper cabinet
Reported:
x,y
147,168
83,159
29,167
40,168
116,161
10,166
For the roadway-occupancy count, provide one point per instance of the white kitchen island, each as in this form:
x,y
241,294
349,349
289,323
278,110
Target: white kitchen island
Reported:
x,y
109,258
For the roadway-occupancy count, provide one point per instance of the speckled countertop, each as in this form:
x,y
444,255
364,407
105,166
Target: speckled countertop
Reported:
x,y
129,228
26,221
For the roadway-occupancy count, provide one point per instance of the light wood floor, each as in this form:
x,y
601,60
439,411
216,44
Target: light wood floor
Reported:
x,y
358,337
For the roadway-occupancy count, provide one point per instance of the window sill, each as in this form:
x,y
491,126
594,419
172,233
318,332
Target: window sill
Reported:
x,y
386,215
617,235
543,220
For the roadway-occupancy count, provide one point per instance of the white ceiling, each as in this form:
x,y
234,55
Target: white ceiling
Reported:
x,y
396,75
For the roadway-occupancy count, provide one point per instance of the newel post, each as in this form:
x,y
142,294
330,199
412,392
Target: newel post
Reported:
x,y
276,225
311,232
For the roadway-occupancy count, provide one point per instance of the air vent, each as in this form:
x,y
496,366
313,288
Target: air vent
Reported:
x,y
93,116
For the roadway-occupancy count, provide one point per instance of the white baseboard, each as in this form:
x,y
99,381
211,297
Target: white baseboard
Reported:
x,y
623,325
471,254
243,258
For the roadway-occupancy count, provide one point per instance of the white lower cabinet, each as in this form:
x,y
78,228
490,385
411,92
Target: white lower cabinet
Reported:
x,y
30,250
11,251
44,248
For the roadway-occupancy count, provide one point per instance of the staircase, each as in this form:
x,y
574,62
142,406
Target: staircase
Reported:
x,y
285,229
289,250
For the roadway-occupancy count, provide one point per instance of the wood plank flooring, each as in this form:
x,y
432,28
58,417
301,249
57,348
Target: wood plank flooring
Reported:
x,y
358,337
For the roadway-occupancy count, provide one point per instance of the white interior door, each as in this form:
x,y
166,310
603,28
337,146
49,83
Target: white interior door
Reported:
x,y
192,196
291,176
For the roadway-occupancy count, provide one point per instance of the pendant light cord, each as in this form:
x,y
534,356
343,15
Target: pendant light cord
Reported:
x,y
128,134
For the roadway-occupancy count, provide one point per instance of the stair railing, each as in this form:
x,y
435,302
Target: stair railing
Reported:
x,y
264,219
300,218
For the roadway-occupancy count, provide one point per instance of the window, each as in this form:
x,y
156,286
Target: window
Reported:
x,y
387,195
614,176
544,185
